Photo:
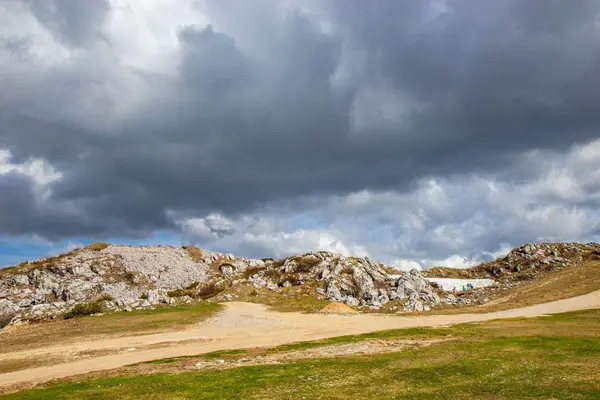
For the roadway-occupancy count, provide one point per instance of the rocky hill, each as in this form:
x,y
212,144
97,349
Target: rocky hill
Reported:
x,y
122,278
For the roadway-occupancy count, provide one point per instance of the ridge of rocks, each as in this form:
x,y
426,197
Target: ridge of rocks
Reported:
x,y
123,277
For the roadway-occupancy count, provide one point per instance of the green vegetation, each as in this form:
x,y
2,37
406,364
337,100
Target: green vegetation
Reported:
x,y
554,357
83,309
197,291
144,296
292,299
207,290
179,293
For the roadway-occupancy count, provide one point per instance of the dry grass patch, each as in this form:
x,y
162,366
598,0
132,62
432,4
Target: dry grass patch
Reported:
x,y
194,252
137,322
557,285
98,246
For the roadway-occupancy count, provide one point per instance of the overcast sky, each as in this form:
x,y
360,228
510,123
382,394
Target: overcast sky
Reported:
x,y
417,133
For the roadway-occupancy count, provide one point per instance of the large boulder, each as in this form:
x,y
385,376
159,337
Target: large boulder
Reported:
x,y
333,293
8,310
20,280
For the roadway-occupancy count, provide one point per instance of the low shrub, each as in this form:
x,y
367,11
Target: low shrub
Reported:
x,y
200,291
106,297
274,274
144,296
83,309
97,246
193,285
293,279
180,293
206,291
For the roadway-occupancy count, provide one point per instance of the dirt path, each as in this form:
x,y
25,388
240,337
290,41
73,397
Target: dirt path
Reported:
x,y
244,325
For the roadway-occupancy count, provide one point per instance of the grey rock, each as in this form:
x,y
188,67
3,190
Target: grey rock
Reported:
x,y
397,294
25,303
351,301
258,282
227,270
382,299
333,293
153,297
20,280
8,311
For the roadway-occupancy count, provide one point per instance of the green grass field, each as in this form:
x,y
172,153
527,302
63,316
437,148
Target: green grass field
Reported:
x,y
555,357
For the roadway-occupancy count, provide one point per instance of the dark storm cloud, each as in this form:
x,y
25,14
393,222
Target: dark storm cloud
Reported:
x,y
389,92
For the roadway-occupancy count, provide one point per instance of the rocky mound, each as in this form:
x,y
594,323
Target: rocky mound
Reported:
x,y
128,277
338,308
356,282
524,263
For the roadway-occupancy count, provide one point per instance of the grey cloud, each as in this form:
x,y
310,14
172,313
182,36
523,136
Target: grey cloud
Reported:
x,y
72,22
251,119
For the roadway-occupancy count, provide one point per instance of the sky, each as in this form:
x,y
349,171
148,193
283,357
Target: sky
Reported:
x,y
417,133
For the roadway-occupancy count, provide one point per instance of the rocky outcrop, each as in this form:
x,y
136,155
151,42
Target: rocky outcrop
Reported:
x,y
356,282
8,310
523,263
128,277
121,277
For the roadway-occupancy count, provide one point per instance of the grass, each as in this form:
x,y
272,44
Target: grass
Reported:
x,y
555,357
98,246
197,291
293,299
180,293
109,325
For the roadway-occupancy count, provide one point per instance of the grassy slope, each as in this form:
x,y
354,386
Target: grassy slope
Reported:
x,y
554,357
297,298
109,325
556,285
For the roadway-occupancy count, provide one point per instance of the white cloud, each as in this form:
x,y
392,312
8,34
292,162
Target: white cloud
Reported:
x,y
69,246
457,222
40,171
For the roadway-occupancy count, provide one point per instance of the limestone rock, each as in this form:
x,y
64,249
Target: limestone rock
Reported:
x,y
20,280
8,310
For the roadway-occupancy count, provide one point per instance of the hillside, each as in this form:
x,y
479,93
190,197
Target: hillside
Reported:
x,y
108,278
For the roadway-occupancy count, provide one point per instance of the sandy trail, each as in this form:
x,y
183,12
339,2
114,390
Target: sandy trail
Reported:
x,y
245,325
